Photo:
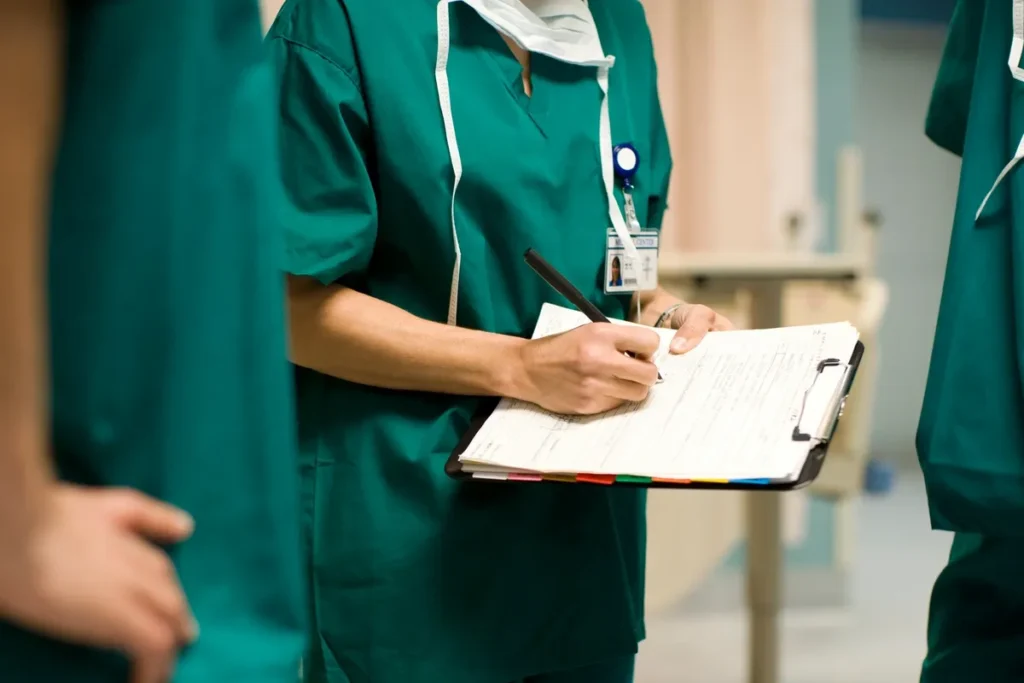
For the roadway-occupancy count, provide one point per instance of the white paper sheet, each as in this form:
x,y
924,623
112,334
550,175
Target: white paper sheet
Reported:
x,y
726,410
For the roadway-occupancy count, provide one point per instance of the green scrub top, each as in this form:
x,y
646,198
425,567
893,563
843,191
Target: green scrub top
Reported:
x,y
419,579
169,363
971,434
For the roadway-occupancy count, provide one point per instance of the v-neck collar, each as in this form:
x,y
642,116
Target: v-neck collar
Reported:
x,y
510,71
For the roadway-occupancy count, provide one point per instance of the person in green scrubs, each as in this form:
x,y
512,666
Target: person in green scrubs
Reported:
x,y
971,434
425,147
140,246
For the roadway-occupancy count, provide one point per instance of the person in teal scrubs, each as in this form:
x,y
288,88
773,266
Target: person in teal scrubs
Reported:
x,y
971,434
140,246
425,147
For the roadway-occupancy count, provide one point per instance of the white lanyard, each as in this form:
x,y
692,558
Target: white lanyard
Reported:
x,y
1016,51
604,137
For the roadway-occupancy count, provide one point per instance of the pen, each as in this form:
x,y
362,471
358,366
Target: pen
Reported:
x,y
560,284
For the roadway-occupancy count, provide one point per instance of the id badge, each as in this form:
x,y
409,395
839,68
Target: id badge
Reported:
x,y
624,275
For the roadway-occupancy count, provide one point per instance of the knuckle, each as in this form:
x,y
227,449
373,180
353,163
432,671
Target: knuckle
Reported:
x,y
590,332
125,502
588,359
156,641
128,498
178,605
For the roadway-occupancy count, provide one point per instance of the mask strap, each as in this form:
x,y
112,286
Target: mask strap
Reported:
x,y
1016,50
445,99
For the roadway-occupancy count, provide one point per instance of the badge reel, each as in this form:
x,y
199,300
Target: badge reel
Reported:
x,y
625,275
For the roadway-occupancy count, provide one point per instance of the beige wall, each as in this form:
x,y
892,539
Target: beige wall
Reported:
x,y
736,81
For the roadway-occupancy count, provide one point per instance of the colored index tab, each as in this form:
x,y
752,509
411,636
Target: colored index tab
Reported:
x,y
496,476
605,479
630,479
524,477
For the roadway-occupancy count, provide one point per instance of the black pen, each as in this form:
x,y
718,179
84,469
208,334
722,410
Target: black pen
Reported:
x,y
560,284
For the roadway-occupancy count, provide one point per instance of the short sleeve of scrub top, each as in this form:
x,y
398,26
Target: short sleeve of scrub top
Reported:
x,y
331,224
946,124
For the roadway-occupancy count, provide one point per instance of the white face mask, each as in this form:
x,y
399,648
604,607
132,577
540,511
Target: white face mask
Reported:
x,y
560,29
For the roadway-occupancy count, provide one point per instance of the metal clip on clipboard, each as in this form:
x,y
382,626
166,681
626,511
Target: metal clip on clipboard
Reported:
x,y
834,408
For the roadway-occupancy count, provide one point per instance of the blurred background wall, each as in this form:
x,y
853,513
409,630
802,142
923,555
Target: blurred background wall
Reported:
x,y
912,184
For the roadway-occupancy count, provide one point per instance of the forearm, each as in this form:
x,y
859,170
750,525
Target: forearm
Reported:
x,y
29,74
652,304
24,466
352,336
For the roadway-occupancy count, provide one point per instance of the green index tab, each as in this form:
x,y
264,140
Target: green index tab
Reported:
x,y
630,479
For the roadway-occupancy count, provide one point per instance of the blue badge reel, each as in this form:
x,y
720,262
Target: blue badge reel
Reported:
x,y
622,274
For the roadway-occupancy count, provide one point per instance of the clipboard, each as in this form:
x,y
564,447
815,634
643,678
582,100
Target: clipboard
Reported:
x,y
811,469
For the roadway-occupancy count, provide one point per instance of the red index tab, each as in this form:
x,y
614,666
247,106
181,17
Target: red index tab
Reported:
x,y
605,479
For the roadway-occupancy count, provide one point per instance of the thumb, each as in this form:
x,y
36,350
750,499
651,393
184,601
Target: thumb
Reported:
x,y
685,340
692,329
688,336
156,520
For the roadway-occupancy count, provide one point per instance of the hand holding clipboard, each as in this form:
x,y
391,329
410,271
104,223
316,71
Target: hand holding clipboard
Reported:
x,y
560,284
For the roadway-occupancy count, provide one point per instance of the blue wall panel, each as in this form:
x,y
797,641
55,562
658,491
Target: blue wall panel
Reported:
x,y
836,25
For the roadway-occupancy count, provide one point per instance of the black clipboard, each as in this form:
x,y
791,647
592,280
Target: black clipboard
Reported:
x,y
812,466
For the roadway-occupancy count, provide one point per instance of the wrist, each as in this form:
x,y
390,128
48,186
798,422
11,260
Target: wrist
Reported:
x,y
22,517
653,313
667,317
21,545
25,497
512,379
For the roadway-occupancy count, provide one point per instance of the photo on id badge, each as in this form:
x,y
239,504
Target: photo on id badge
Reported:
x,y
623,274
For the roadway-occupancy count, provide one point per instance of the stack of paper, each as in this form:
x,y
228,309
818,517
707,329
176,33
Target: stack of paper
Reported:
x,y
725,411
